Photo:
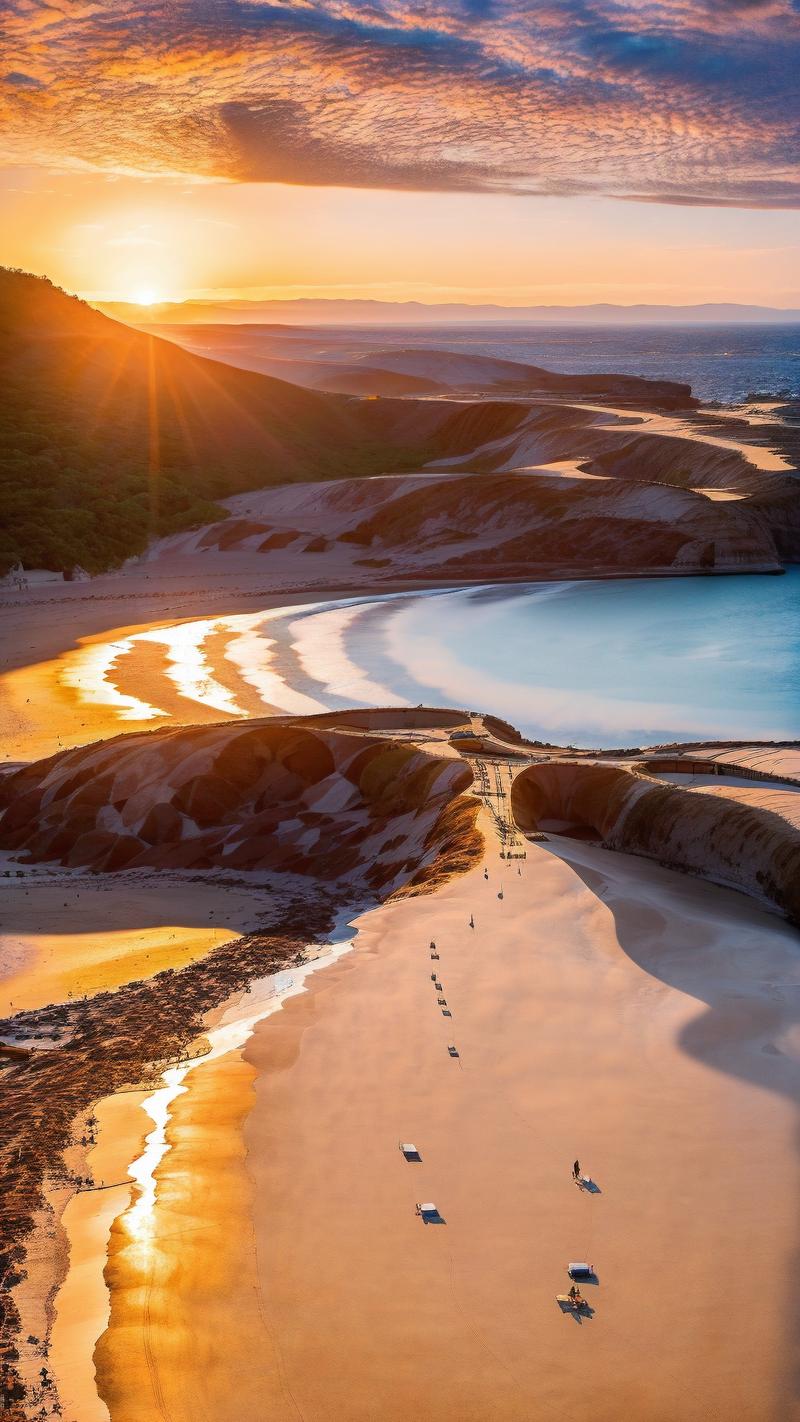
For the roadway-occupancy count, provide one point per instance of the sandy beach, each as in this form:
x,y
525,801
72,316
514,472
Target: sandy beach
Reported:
x,y
602,1008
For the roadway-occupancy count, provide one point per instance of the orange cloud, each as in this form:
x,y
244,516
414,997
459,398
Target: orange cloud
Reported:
x,y
663,100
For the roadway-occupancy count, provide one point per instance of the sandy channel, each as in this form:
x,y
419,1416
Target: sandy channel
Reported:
x,y
603,1008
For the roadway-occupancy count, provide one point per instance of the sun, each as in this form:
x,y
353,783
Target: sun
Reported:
x,y
145,296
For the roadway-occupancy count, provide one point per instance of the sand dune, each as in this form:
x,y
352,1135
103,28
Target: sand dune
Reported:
x,y
336,804
504,523
746,839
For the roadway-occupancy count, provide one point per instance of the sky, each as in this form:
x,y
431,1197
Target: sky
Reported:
x,y
479,150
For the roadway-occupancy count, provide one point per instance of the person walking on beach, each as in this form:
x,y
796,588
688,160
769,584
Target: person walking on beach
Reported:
x,y
471,921
576,1170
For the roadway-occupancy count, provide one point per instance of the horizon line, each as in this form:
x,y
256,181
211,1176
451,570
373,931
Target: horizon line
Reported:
x,y
235,302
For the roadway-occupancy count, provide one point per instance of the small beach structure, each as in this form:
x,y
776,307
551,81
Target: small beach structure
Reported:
x,y
410,1152
429,1213
585,1182
579,1270
453,1051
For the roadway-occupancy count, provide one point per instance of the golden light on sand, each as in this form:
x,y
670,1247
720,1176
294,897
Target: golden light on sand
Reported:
x,y
264,996
188,667
89,674
95,674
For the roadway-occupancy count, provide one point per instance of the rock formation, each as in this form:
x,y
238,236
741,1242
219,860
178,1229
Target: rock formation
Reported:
x,y
335,804
740,845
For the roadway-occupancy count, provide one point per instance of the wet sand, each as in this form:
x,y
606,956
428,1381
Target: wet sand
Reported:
x,y
603,1008
82,1301
66,933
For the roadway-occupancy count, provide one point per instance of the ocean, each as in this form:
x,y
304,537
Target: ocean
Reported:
x,y
622,662
608,663
725,363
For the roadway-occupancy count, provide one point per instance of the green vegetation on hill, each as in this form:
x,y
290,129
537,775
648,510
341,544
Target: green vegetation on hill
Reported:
x,y
110,437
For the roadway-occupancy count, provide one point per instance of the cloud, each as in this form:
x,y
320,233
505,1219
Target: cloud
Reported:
x,y
684,101
22,81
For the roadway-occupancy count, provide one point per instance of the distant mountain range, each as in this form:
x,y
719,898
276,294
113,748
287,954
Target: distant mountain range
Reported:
x,y
312,312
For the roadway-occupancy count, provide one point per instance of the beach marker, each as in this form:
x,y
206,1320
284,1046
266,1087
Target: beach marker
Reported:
x,y
580,1271
410,1151
429,1213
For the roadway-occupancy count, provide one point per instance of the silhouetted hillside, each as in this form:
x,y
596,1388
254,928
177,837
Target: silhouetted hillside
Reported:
x,y
110,436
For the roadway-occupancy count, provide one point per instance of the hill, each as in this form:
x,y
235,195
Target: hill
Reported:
x,y
349,361
110,436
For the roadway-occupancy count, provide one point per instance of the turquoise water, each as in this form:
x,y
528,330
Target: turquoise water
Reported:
x,y
590,663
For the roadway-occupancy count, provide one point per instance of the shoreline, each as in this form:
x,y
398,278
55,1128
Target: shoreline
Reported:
x,y
66,690
270,599
90,1220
